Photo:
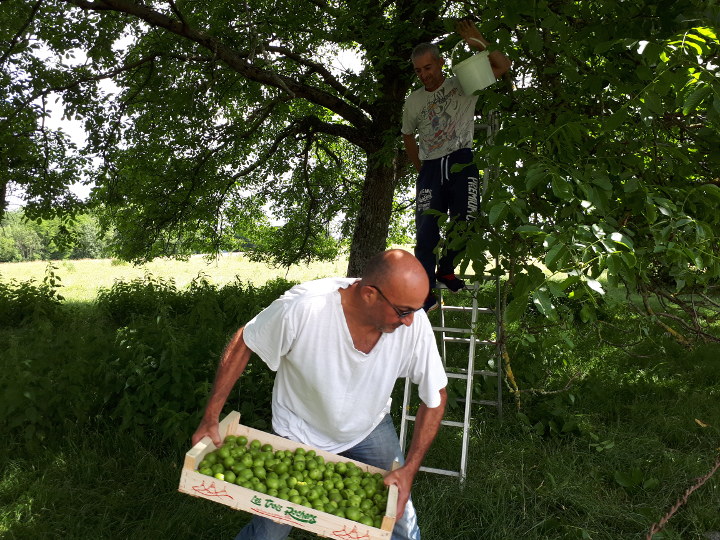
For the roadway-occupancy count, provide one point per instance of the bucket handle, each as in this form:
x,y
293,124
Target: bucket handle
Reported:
x,y
463,41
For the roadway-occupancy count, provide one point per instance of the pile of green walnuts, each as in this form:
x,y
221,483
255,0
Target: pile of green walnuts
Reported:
x,y
300,477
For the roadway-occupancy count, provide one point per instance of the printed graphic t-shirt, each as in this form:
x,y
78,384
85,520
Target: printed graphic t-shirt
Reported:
x,y
444,119
327,393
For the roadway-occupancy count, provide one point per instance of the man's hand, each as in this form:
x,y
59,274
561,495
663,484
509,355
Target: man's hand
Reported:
x,y
207,428
427,423
403,479
469,32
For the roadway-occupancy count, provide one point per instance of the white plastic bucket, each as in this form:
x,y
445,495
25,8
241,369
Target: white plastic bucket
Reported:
x,y
474,73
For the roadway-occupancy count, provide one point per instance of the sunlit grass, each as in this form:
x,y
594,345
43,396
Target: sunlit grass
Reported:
x,y
81,279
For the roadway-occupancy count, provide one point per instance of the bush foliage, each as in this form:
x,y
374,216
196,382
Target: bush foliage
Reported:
x,y
147,362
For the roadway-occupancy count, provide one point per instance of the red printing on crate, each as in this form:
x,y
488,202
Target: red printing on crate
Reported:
x,y
290,514
211,491
352,535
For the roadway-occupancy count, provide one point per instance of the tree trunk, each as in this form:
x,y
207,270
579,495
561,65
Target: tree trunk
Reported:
x,y
373,221
3,198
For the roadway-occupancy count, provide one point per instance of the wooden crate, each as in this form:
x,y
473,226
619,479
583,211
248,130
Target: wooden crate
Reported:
x,y
279,510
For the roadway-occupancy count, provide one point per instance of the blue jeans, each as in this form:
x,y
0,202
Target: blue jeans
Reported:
x,y
379,449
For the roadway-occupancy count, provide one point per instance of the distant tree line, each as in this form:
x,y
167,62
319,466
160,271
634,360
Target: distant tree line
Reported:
x,y
22,239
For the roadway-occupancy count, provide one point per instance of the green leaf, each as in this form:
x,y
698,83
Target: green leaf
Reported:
x,y
652,52
556,255
533,39
622,239
561,188
515,308
630,185
587,313
651,484
629,259
709,33
616,120
529,230
603,181
496,212
544,304
536,175
624,479
651,213
697,97
712,190
556,289
652,103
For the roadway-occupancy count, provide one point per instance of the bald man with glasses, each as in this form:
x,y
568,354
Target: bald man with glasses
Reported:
x,y
338,345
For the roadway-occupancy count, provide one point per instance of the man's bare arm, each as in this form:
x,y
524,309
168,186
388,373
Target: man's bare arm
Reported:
x,y
427,423
232,364
412,151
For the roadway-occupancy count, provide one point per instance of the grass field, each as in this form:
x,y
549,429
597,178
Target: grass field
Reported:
x,y
96,409
81,279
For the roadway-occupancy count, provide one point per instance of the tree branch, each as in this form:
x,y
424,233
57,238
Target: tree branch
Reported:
x,y
321,70
231,57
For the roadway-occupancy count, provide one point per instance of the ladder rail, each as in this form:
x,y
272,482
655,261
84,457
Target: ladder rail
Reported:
x,y
469,388
469,336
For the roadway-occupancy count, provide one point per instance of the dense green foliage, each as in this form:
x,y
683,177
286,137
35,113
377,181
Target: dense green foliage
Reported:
x,y
608,164
144,356
607,147
22,239
99,401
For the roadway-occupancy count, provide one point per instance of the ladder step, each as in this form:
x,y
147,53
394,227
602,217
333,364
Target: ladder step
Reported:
x,y
479,401
485,402
464,376
452,339
467,308
450,423
440,471
450,329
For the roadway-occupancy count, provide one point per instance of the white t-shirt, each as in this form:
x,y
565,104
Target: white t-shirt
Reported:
x,y
444,119
327,393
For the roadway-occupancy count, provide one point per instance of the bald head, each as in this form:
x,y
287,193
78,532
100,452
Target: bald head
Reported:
x,y
396,269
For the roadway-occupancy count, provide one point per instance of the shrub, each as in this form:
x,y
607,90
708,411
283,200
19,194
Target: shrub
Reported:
x,y
145,296
164,358
27,301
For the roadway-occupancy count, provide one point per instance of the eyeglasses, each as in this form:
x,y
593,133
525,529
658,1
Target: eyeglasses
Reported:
x,y
400,312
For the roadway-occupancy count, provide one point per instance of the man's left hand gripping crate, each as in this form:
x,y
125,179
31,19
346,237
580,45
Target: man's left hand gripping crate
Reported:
x,y
279,510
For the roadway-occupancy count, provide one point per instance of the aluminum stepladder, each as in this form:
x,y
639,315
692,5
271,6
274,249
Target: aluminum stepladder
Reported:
x,y
463,335
467,335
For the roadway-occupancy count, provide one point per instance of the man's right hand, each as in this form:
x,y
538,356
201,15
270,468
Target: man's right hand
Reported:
x,y
208,428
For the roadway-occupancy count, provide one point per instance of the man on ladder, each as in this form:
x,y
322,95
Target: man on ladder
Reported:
x,y
443,117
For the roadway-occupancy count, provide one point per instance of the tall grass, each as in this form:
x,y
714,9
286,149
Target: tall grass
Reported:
x,y
97,404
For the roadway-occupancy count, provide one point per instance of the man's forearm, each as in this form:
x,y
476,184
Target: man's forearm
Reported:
x,y
427,423
232,364
412,151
